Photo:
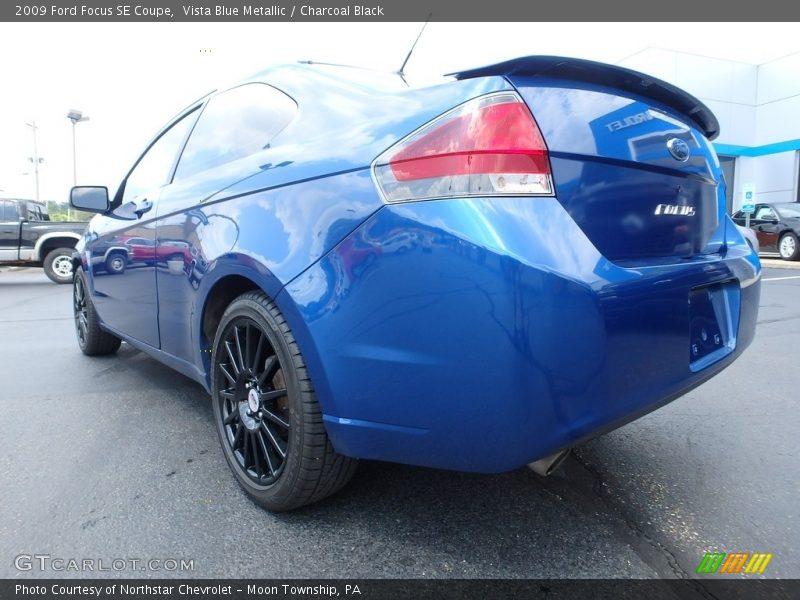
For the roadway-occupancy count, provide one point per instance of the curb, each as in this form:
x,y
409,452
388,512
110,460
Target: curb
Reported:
x,y
778,263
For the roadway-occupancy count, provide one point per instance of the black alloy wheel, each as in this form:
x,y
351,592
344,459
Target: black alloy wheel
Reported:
x,y
266,412
92,339
254,401
80,310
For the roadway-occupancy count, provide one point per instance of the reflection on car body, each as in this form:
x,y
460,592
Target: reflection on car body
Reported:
x,y
777,227
474,275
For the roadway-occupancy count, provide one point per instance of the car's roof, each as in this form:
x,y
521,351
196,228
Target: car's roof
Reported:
x,y
296,78
361,77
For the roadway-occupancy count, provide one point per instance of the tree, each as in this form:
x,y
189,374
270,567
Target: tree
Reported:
x,y
58,212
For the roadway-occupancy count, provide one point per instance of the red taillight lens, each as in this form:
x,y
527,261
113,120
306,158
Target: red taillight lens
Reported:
x,y
487,147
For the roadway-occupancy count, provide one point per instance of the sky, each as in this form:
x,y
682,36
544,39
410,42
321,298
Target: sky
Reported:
x,y
131,78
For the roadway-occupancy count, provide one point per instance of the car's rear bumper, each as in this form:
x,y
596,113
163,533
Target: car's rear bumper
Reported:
x,y
483,334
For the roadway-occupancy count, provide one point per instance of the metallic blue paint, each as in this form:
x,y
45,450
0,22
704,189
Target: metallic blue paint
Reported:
x,y
612,169
126,300
492,332
468,333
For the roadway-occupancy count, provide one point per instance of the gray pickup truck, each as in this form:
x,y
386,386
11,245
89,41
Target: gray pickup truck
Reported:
x,y
29,238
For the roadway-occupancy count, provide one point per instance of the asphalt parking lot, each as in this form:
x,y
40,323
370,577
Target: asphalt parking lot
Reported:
x,y
117,458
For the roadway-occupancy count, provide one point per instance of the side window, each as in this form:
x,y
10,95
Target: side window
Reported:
x,y
764,213
10,211
235,124
155,167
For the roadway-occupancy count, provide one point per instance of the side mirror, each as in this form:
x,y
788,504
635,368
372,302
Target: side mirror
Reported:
x,y
91,198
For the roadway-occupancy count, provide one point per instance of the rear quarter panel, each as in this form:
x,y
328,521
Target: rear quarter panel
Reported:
x,y
272,215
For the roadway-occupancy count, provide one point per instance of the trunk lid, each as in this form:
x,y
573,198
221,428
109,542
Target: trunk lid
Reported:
x,y
630,155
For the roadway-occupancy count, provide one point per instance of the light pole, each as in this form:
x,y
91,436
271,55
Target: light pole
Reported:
x,y
35,159
76,117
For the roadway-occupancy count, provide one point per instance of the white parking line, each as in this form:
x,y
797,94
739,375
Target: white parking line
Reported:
x,y
780,278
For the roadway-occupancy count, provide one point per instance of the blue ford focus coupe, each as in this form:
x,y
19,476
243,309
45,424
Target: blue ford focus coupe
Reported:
x,y
474,275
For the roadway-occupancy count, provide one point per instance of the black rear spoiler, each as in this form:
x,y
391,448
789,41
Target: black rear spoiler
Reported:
x,y
588,71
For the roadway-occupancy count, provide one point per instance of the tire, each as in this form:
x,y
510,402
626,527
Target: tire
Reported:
x,y
266,413
116,263
92,340
58,265
788,247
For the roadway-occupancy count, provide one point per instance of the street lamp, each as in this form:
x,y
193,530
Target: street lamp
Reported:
x,y
35,158
76,117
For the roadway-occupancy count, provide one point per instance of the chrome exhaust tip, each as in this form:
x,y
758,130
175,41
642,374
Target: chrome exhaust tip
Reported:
x,y
547,465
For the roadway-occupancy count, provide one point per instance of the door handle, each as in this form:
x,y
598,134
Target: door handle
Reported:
x,y
142,207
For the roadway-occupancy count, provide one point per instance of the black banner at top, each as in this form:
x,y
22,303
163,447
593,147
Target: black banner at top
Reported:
x,y
398,10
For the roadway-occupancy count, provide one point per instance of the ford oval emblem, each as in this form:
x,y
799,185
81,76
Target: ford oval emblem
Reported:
x,y
678,149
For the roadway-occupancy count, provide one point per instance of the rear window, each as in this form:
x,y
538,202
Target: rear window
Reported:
x,y
235,124
37,212
789,212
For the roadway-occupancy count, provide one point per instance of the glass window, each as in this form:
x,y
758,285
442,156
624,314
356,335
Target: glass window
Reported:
x,y
10,212
35,212
790,212
154,168
764,213
728,164
235,124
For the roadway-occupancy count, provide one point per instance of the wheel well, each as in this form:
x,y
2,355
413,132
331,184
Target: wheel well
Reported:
x,y
225,291
114,251
56,242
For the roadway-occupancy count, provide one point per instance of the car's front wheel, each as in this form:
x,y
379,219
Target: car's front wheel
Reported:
x,y
267,416
93,341
788,247
58,265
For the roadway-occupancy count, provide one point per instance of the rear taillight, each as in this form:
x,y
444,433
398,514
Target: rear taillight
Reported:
x,y
490,146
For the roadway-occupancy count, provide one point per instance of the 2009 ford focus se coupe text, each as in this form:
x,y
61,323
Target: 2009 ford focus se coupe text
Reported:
x,y
475,275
